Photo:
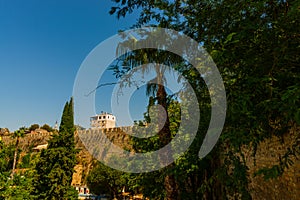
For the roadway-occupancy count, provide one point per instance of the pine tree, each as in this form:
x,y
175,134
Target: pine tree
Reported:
x,y
56,164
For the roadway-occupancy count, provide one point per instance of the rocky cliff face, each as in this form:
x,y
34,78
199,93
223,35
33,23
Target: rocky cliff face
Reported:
x,y
4,131
30,140
95,143
84,158
84,165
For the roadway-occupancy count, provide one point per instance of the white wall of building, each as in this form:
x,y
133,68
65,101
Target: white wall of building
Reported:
x,y
104,120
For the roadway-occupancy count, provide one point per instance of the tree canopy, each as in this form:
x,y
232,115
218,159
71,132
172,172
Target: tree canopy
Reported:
x,y
255,46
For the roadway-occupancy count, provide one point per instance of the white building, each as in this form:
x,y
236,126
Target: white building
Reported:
x,y
104,120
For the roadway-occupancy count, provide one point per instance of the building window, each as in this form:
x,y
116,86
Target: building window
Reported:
x,y
103,117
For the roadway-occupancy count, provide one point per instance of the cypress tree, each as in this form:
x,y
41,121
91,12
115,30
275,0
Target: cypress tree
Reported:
x,y
56,164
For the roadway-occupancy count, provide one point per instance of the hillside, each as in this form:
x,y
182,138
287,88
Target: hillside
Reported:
x,y
285,186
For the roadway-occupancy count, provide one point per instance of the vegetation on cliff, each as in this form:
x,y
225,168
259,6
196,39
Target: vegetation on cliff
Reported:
x,y
44,175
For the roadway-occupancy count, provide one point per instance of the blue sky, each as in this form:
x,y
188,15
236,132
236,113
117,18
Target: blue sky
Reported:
x,y
42,45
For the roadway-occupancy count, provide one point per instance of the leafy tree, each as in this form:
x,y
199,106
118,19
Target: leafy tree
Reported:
x,y
18,187
105,180
33,127
6,160
26,161
254,45
6,157
55,166
153,184
47,128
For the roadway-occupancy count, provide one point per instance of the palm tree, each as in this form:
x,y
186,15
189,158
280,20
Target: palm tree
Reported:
x,y
17,134
155,88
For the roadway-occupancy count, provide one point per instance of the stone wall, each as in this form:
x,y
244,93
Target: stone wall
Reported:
x,y
286,186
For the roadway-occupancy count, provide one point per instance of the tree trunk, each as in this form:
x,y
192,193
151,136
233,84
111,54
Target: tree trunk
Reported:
x,y
164,133
15,158
171,187
165,136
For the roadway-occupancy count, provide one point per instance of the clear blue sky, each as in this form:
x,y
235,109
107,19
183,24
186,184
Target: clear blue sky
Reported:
x,y
42,45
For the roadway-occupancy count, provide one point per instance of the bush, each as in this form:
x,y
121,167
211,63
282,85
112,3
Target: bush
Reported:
x,y
25,161
33,127
47,128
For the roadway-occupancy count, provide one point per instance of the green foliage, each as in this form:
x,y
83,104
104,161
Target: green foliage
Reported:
x,y
55,166
255,45
17,189
105,180
6,157
20,186
33,127
47,128
26,161
20,133
150,184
